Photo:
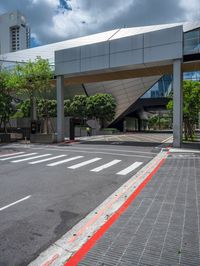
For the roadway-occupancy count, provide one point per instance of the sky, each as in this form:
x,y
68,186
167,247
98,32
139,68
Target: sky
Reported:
x,y
58,20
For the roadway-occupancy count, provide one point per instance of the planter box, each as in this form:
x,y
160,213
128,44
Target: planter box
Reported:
x,y
5,138
42,138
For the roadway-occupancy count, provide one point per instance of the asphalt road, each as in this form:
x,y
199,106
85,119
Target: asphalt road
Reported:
x,y
45,190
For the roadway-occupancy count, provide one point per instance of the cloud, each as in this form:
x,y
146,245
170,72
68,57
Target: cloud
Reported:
x,y
56,20
193,9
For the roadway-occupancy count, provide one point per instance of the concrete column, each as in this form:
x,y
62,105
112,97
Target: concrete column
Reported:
x,y
177,103
60,108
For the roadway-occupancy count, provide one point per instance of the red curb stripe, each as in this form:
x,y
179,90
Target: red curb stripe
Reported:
x,y
78,256
109,204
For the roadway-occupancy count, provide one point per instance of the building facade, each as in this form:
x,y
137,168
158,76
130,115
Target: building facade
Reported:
x,y
123,62
14,32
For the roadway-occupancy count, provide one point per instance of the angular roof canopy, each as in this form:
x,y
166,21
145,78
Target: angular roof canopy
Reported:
x,y
125,91
47,51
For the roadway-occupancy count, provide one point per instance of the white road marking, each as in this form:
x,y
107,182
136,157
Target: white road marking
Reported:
x,y
78,235
11,154
93,152
98,169
65,161
129,168
47,159
30,158
14,203
167,140
18,156
84,163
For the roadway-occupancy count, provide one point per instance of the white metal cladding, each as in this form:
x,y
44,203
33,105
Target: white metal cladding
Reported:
x,y
135,50
47,51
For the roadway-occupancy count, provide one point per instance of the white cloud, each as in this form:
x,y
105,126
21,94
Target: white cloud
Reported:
x,y
50,23
85,18
192,9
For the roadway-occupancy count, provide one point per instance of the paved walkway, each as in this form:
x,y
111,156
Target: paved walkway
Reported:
x,y
161,226
147,137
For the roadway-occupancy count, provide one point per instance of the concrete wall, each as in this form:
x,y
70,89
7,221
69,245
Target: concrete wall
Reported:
x,y
24,123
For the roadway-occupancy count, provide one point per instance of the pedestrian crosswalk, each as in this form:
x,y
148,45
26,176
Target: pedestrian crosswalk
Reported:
x,y
104,166
129,168
18,156
48,159
30,158
75,166
64,159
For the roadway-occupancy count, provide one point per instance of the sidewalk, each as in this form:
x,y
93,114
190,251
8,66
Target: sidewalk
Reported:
x,y
161,226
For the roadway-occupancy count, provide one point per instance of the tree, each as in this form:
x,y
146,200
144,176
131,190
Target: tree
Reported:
x,y
78,107
32,80
50,105
67,107
191,106
6,107
101,106
24,109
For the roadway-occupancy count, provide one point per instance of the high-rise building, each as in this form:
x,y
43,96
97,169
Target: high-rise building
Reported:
x,y
14,32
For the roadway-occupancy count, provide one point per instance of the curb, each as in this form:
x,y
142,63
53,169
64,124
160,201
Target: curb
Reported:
x,y
72,247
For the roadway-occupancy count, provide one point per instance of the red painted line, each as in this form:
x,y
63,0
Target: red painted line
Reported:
x,y
78,256
109,205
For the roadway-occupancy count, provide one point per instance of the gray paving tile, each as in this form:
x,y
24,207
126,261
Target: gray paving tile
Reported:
x,y
161,227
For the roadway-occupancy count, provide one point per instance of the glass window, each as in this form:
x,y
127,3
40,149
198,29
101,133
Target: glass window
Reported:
x,y
191,34
192,42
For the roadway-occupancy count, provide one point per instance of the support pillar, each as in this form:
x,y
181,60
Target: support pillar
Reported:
x,y
177,104
60,108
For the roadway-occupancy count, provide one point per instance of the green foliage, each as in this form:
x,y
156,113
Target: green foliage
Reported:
x,y
191,106
153,122
101,106
25,108
6,108
46,108
78,106
32,77
159,121
67,107
32,80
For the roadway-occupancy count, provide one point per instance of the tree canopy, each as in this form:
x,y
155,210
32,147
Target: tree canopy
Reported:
x,y
78,106
6,107
101,106
31,78
191,106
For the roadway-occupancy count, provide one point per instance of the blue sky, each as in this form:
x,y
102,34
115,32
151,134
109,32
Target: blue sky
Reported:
x,y
57,20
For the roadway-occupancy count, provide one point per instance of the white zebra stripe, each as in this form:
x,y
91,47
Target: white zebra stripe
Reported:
x,y
11,154
98,169
18,156
129,168
84,163
65,161
30,158
47,159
